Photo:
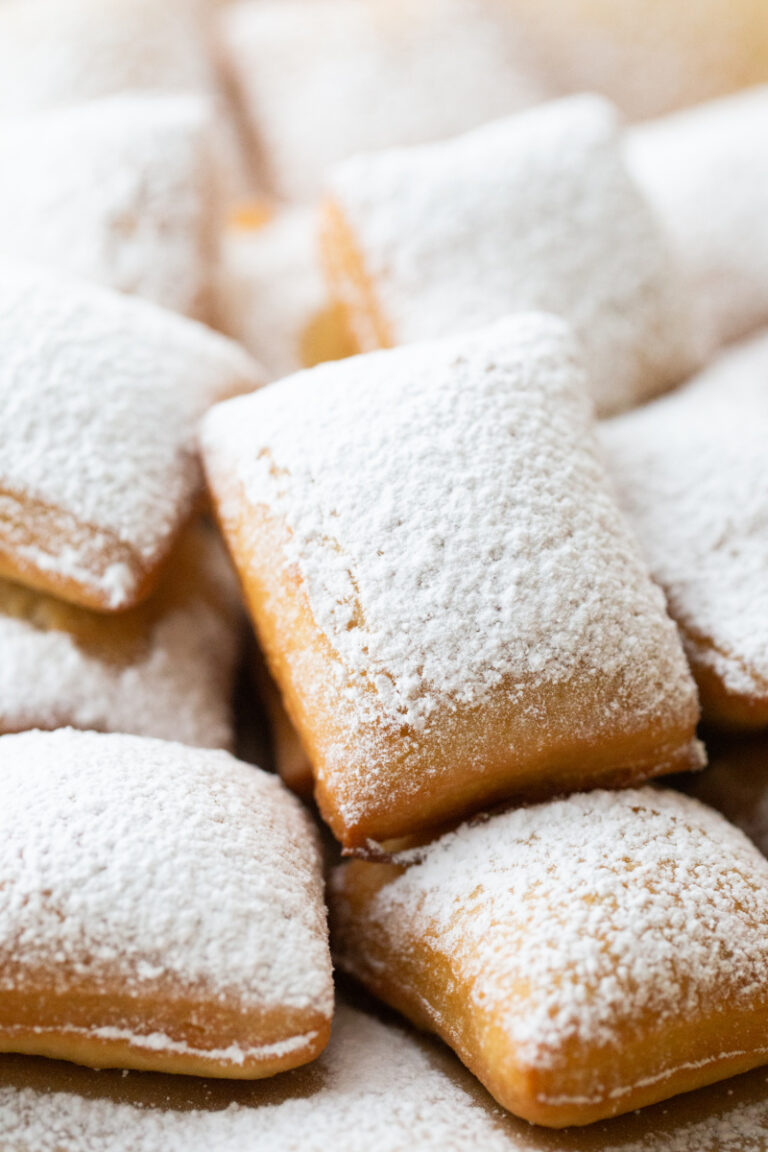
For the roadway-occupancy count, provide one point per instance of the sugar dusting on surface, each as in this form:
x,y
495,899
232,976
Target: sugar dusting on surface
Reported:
x,y
170,677
57,52
100,396
435,581
705,171
374,1084
118,191
690,471
534,211
570,920
372,75
136,860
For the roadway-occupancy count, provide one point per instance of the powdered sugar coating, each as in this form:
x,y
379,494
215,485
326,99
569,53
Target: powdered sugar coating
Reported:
x,y
450,482
566,921
164,671
690,472
118,191
373,1082
100,396
56,52
324,79
373,1079
706,173
270,287
125,859
534,211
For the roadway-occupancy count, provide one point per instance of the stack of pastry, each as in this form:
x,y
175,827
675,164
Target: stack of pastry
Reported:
x,y
500,522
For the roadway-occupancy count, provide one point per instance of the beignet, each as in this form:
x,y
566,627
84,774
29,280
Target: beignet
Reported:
x,y
100,396
451,604
534,211
164,669
321,80
583,957
690,472
119,191
706,173
161,907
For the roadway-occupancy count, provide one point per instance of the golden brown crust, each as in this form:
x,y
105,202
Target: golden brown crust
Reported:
x,y
30,526
197,1037
327,336
721,705
349,283
414,796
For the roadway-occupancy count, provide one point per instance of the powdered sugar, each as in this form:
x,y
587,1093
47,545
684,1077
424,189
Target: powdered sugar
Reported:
x,y
434,578
535,211
99,400
56,52
690,470
706,173
127,860
164,669
570,919
323,79
159,1042
373,1082
118,191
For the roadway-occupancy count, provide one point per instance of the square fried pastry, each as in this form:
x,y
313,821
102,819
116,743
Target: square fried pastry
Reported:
x,y
271,295
119,191
534,211
164,668
584,957
447,595
705,170
100,396
161,907
321,80
690,473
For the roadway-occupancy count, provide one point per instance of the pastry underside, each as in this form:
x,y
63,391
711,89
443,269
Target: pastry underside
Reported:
x,y
165,1028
